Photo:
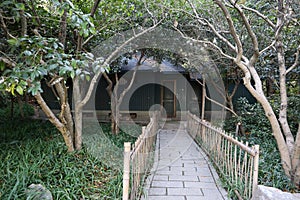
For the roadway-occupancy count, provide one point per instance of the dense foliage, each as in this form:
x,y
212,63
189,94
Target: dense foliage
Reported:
x,y
33,152
258,131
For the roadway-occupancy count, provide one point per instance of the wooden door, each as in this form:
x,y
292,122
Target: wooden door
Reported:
x,y
168,98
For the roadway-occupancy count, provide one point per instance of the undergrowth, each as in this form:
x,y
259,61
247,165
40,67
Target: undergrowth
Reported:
x,y
32,151
258,131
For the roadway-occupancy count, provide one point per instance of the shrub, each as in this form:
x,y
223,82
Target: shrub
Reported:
x,y
5,112
34,152
259,132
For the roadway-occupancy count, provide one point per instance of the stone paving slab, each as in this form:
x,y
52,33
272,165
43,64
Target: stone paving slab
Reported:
x,y
181,170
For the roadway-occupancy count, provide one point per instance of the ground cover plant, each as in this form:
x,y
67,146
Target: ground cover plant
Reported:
x,y
258,131
32,151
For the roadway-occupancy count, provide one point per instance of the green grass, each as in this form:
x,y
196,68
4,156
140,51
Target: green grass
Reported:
x,y
32,151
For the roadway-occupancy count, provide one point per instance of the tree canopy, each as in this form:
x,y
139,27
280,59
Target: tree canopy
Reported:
x,y
51,41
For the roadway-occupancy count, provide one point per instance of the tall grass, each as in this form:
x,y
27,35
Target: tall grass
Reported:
x,y
32,151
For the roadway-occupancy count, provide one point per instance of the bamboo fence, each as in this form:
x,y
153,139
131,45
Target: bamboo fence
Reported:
x,y
138,160
235,160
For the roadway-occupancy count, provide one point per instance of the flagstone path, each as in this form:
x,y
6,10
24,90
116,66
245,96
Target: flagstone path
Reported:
x,y
181,170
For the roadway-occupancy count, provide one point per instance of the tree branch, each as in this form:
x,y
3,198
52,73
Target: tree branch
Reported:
x,y
110,84
35,13
53,119
296,61
268,47
109,59
65,115
206,23
94,8
23,21
260,15
4,27
232,30
207,43
132,79
7,60
219,104
252,35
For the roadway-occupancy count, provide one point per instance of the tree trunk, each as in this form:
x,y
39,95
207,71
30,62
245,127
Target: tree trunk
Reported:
x,y
112,102
282,146
117,119
113,117
55,121
295,176
122,95
65,114
269,86
78,128
115,108
78,106
282,80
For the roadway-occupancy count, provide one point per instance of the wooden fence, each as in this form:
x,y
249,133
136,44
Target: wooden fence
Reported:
x,y
235,160
138,160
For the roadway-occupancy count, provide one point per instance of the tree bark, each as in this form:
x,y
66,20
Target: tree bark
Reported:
x,y
55,121
66,114
296,160
77,113
122,95
115,112
109,90
282,78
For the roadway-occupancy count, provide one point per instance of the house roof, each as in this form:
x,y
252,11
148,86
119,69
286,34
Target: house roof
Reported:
x,y
149,64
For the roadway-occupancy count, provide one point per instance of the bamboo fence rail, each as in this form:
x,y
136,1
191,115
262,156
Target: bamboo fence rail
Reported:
x,y
138,160
236,161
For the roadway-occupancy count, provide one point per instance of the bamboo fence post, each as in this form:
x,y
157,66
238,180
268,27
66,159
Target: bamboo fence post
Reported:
x,y
255,171
203,132
126,170
235,163
203,100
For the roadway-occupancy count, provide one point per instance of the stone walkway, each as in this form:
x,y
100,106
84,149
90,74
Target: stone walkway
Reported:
x,y
181,170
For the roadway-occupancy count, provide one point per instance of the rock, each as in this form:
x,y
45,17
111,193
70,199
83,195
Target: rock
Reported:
x,y
38,192
270,193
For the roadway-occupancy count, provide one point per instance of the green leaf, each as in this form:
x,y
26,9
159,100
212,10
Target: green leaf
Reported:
x,y
2,66
23,83
52,67
93,30
20,6
6,3
73,63
27,53
42,71
19,90
32,76
12,42
72,74
12,89
55,45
